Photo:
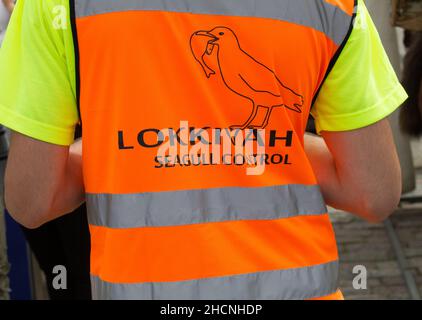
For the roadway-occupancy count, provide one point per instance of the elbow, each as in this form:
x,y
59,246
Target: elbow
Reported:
x,y
29,218
378,208
25,212
30,223
378,213
381,197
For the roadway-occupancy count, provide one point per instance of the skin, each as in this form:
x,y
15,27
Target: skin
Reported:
x,y
358,171
43,181
9,4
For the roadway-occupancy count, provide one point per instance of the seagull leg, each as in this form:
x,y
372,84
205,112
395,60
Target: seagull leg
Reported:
x,y
250,119
267,117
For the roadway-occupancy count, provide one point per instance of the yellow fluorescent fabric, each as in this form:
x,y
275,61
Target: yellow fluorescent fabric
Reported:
x,y
37,76
362,88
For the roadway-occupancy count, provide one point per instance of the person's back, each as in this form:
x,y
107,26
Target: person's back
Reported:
x,y
170,94
184,229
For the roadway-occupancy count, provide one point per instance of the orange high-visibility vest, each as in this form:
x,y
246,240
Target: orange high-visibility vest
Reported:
x,y
167,226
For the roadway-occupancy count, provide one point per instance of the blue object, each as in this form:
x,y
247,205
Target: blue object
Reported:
x,y
17,251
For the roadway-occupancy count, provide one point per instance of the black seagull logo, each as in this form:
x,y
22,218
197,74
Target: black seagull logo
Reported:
x,y
239,71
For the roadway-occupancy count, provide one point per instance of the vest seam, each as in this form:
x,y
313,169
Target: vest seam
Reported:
x,y
72,9
337,54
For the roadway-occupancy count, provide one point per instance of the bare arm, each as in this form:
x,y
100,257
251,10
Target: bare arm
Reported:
x,y
43,181
9,4
358,170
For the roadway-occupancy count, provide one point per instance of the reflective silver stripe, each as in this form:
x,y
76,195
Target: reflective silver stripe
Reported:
x,y
201,206
301,283
316,14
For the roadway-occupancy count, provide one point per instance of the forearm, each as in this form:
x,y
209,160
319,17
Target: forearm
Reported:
x,y
358,170
335,193
43,181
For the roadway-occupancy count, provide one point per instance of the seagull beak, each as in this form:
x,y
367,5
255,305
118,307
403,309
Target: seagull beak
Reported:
x,y
207,34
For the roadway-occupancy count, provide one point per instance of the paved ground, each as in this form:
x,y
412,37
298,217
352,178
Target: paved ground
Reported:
x,y
366,244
